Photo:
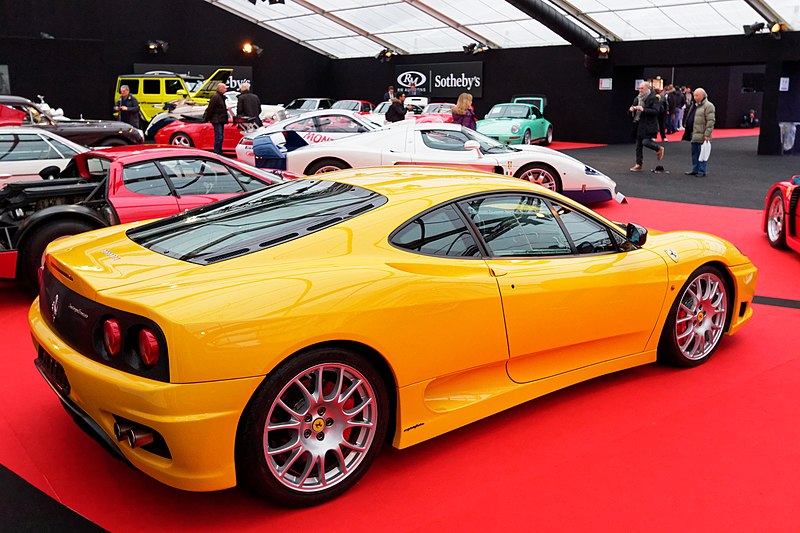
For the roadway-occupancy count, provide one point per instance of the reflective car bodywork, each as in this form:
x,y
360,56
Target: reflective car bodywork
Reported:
x,y
454,332
24,152
781,220
516,123
191,131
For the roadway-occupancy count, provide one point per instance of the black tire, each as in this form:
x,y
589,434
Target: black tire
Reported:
x,y
548,136
777,235
32,248
113,141
541,167
669,345
259,470
324,164
526,137
181,139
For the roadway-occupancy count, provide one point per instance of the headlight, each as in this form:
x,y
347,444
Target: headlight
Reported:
x,y
591,172
515,128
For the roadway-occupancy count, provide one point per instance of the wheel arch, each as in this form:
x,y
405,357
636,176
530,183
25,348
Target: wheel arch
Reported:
x,y
123,140
723,269
57,214
326,158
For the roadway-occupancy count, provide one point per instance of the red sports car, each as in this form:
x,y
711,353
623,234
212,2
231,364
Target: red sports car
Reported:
x,y
193,132
105,187
782,214
437,112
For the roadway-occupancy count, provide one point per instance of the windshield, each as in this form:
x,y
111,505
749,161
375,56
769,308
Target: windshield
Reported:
x,y
438,108
347,104
302,103
509,111
255,221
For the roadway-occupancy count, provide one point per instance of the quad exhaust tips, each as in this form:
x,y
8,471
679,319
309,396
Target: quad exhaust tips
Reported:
x,y
136,436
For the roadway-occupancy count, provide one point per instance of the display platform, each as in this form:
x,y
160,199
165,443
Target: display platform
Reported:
x,y
653,448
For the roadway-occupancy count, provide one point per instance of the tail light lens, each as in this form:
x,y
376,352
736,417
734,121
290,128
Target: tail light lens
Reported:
x,y
148,347
112,336
246,142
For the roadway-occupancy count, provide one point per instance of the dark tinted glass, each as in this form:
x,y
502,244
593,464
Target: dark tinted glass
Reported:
x,y
255,221
589,236
133,85
152,86
144,178
441,232
172,86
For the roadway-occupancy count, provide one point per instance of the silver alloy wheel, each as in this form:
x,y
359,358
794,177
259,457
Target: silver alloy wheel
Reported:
x,y
181,140
549,135
327,168
775,218
702,312
320,427
541,177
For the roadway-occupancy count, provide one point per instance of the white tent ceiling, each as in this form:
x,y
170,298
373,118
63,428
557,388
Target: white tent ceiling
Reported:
x,y
362,28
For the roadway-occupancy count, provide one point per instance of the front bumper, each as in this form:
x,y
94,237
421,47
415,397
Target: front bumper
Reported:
x,y
744,279
514,138
198,421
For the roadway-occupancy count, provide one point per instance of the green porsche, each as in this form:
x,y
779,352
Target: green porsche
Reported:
x,y
516,123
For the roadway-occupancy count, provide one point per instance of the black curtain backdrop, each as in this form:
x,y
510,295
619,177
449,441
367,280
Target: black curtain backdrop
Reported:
x,y
95,40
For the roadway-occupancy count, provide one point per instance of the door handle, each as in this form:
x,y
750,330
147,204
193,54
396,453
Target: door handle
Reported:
x,y
497,271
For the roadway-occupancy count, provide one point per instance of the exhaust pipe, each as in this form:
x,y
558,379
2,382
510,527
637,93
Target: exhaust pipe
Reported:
x,y
139,437
121,430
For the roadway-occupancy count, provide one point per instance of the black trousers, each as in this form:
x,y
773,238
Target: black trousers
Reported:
x,y
644,142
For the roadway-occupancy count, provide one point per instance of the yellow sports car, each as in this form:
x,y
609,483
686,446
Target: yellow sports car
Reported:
x,y
276,339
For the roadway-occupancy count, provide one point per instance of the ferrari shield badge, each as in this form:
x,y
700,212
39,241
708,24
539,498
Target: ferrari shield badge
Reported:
x,y
672,254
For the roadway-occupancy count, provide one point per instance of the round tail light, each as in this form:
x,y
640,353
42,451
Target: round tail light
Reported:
x,y
112,336
148,347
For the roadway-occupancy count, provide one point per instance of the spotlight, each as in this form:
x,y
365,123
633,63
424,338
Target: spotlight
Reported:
x,y
603,49
157,46
752,29
475,48
776,28
250,48
386,55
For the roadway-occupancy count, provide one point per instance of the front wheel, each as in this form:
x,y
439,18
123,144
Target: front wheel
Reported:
x,y
181,139
526,139
31,252
697,319
313,427
541,174
776,221
548,137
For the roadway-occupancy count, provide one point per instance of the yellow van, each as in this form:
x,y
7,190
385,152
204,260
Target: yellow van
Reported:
x,y
154,89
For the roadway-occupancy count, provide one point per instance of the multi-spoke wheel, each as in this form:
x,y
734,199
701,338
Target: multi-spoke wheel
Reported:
x,y
326,165
181,139
542,174
697,319
313,428
526,139
776,221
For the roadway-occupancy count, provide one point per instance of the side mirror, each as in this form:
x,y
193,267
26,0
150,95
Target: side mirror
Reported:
x,y
50,173
636,234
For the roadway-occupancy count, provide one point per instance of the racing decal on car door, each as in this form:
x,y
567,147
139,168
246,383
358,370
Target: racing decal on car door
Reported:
x,y
313,137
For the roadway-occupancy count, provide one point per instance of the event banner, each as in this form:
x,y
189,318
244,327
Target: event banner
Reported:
x,y
445,80
240,74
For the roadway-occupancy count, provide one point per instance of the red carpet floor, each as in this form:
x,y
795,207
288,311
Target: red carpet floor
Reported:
x,y
651,449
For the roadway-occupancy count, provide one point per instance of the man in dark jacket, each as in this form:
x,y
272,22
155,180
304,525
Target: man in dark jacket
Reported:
x,y
397,111
248,104
217,114
127,106
645,119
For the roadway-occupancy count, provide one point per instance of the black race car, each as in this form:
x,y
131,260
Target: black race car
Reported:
x,y
18,111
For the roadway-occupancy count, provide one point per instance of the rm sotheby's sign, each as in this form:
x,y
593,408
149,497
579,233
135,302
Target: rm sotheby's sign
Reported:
x,y
446,80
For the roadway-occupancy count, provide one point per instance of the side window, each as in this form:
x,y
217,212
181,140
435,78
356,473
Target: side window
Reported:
x,y
514,225
25,147
440,232
200,176
152,86
145,178
301,125
445,140
248,182
65,150
172,86
337,124
536,113
589,236
366,108
325,104
133,85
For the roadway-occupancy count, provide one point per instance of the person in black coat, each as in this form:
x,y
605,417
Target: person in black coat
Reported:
x,y
128,106
645,119
389,94
248,104
217,114
397,111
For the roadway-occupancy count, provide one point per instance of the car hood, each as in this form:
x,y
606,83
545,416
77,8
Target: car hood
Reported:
x,y
497,125
92,124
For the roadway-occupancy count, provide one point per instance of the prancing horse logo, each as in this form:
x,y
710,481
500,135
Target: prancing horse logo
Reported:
x,y
54,308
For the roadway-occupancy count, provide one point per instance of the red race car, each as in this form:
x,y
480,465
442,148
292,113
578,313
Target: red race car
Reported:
x,y
114,186
782,214
193,132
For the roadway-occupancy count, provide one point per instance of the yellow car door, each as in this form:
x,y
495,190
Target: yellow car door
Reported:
x,y
574,292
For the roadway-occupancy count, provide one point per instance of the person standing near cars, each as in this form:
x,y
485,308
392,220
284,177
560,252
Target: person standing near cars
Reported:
x,y
217,114
389,94
700,120
128,107
397,111
645,124
248,104
462,111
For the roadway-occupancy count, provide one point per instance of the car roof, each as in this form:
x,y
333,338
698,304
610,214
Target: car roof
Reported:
x,y
41,131
8,99
142,152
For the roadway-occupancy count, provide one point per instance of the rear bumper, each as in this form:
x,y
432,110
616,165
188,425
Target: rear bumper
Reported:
x,y
198,421
8,264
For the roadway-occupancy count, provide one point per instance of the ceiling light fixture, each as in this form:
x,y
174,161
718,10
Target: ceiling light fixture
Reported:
x,y
250,48
603,49
157,46
386,55
475,48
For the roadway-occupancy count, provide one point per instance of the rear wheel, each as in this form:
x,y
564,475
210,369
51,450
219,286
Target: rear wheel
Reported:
x,y
181,139
541,174
548,137
31,251
313,427
697,319
526,138
326,165
776,221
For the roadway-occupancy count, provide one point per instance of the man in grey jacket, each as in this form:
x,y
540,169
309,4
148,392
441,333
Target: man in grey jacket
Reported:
x,y
700,120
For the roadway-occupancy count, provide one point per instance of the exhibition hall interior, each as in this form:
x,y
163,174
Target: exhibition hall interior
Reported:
x,y
421,265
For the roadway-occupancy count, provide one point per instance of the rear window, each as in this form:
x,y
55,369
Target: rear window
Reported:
x,y
255,221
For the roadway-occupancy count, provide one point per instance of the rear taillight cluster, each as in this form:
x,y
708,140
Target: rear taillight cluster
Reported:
x,y
145,350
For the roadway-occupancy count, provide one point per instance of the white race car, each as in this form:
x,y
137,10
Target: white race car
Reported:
x,y
24,152
451,145
314,127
